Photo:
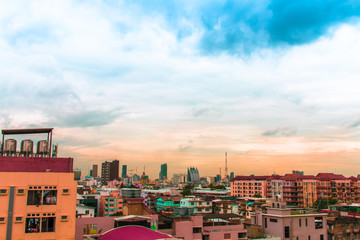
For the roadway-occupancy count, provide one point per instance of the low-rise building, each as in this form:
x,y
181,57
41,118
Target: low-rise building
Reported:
x,y
285,223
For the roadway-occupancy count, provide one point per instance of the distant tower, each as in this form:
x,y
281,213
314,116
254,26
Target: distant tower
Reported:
x,y
226,168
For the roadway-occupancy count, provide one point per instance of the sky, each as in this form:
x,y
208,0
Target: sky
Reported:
x,y
275,84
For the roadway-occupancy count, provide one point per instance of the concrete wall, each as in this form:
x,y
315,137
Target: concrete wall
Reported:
x,y
66,203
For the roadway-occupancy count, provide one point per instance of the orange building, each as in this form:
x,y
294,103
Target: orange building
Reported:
x,y
111,204
37,198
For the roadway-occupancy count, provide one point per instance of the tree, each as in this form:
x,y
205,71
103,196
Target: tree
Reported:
x,y
324,203
257,195
186,192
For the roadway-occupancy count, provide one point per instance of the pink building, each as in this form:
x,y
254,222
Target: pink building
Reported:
x,y
284,223
248,186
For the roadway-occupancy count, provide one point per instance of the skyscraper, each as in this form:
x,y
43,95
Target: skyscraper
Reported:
x,y
114,170
95,171
163,172
109,171
124,171
193,175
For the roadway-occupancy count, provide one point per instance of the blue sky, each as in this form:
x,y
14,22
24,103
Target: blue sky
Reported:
x,y
273,83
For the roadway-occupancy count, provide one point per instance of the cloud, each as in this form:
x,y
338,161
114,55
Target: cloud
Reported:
x,y
280,132
87,118
186,147
241,27
355,122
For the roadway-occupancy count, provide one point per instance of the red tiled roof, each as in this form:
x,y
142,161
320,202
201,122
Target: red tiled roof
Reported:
x,y
250,178
330,176
133,233
290,177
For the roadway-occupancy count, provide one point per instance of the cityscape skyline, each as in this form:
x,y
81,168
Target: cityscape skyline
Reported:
x,y
182,83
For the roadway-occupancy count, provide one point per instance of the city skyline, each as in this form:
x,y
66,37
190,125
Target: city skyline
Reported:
x,y
273,83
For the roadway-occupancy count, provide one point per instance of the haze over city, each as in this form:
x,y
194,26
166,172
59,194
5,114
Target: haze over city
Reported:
x,y
274,84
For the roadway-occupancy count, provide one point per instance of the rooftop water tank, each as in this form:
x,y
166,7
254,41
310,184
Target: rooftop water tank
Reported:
x,y
10,146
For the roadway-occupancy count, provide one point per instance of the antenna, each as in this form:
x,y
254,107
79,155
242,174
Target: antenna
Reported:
x,y
226,168
220,172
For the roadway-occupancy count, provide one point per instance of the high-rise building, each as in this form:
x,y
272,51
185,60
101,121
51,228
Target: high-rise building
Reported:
x,y
232,175
124,171
37,195
193,175
109,171
77,174
114,170
95,171
163,172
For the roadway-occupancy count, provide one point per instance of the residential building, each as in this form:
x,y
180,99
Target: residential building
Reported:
x,y
83,211
343,228
110,204
249,186
109,171
285,223
164,202
37,198
199,205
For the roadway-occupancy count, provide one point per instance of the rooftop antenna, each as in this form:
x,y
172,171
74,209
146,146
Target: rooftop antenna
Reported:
x,y
226,168
220,172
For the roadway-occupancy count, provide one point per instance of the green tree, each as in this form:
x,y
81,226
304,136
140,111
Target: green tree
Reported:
x,y
324,203
186,192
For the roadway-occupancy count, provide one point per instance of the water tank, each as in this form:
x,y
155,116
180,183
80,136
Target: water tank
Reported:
x,y
42,147
10,146
27,146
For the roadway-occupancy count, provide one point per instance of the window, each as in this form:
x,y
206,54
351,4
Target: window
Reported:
x,y
287,232
20,191
321,237
18,219
34,197
227,236
48,224
32,225
299,222
273,220
242,235
2,219
2,191
265,222
65,191
49,197
309,237
86,212
64,218
306,222
318,222
197,230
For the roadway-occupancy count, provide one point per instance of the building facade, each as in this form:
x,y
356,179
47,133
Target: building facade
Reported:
x,y
37,198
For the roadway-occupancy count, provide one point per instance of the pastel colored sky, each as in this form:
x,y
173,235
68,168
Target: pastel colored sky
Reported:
x,y
276,84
